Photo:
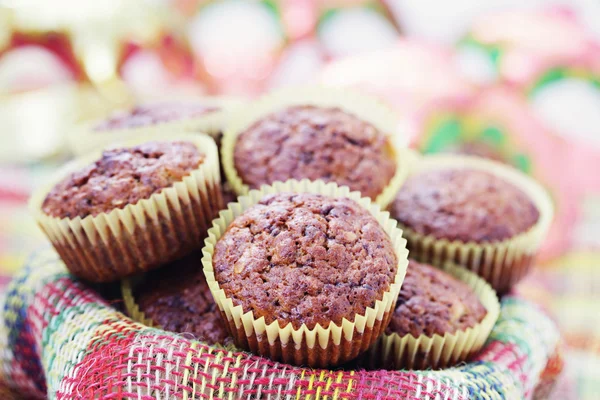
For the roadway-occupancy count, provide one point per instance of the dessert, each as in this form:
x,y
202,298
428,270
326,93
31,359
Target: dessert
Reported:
x,y
305,272
481,214
132,208
442,317
177,299
331,135
463,204
312,142
433,302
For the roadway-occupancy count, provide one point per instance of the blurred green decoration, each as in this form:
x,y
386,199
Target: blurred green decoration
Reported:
x,y
492,51
470,135
563,72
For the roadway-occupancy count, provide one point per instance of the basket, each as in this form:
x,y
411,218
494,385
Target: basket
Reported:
x,y
58,336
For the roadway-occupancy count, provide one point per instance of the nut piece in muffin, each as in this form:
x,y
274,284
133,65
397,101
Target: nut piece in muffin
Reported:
x,y
305,259
177,298
432,302
120,177
463,204
306,141
156,113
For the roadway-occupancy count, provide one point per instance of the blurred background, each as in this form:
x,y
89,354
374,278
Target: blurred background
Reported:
x,y
517,81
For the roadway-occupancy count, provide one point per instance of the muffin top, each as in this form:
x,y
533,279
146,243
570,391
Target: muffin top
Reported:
x,y
177,298
120,177
152,114
434,302
463,204
315,143
305,259
479,149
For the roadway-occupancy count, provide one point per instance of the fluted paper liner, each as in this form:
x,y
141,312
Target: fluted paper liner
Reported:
x,y
320,346
142,236
366,108
501,263
83,138
132,309
393,351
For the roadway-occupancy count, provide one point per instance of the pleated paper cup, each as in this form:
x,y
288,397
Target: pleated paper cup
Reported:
x,y
366,108
501,263
141,236
132,309
394,351
83,138
321,346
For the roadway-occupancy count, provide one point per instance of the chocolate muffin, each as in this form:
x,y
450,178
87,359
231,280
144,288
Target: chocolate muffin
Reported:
x,y
120,177
306,141
228,194
305,259
463,204
131,209
433,302
479,149
177,299
152,114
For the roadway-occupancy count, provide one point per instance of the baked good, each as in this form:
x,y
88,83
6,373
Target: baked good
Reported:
x,y
177,299
304,272
486,216
155,113
197,115
442,317
122,176
305,259
433,302
463,204
306,141
132,208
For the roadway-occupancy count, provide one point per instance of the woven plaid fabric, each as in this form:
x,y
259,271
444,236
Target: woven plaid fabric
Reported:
x,y
60,339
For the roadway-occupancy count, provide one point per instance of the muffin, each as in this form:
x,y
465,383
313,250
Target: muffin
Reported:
x,y
477,213
312,142
177,298
303,262
479,149
206,115
154,114
132,208
441,318
332,135
432,302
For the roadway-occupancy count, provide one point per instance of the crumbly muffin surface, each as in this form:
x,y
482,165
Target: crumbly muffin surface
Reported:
x,y
305,259
432,301
178,299
315,143
122,176
152,114
465,205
